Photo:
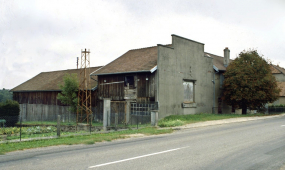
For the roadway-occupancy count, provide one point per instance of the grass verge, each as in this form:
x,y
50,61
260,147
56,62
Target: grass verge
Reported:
x,y
81,139
179,120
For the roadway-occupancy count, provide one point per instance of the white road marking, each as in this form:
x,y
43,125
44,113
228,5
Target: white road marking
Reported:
x,y
128,159
282,125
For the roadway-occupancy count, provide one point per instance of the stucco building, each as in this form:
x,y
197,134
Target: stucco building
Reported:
x,y
180,77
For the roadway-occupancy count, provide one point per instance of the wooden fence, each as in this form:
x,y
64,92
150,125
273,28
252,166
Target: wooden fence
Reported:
x,y
42,112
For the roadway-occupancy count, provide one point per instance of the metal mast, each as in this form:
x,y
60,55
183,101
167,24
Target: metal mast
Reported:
x,y
84,111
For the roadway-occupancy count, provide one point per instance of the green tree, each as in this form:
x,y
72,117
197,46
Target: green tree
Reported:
x,y
5,95
249,82
69,91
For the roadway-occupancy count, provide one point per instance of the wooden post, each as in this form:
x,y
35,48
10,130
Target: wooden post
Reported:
x,y
58,125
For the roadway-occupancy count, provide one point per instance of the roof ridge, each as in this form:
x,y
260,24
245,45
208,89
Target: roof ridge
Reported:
x,y
280,67
142,48
65,70
148,47
276,67
214,54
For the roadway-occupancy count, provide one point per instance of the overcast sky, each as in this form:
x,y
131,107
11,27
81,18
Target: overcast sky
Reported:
x,y
40,36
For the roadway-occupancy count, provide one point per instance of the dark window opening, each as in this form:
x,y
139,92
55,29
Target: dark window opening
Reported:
x,y
129,81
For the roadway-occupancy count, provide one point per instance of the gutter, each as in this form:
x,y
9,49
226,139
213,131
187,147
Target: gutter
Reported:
x,y
143,71
36,90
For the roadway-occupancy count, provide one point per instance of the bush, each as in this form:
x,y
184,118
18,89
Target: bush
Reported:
x,y
280,105
10,111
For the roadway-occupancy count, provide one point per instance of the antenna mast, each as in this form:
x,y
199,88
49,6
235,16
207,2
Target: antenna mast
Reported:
x,y
84,111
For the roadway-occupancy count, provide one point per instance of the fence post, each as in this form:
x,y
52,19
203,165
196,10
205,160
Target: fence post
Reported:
x,y
137,116
106,113
20,128
128,111
116,120
154,117
90,122
58,125
105,120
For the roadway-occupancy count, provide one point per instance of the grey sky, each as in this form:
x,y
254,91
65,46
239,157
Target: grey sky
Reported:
x,y
39,36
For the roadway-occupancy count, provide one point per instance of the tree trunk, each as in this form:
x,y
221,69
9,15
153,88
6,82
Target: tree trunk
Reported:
x,y
244,108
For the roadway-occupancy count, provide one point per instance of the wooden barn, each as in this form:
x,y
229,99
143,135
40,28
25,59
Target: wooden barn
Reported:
x,y
38,96
130,83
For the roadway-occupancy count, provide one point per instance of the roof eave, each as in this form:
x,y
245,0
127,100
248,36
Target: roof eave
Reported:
x,y
127,72
215,68
34,90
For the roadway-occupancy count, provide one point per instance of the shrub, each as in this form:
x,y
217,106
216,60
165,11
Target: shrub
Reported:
x,y
10,111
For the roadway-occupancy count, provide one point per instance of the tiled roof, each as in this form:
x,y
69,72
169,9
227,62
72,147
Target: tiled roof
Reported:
x,y
282,86
144,59
48,81
274,70
137,60
218,61
277,69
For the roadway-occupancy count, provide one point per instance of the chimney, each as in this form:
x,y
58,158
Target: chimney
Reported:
x,y
226,57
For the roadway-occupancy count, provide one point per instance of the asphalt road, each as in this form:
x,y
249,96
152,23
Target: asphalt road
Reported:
x,y
250,145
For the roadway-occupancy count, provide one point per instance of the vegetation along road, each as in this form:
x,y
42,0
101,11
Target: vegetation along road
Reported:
x,y
247,145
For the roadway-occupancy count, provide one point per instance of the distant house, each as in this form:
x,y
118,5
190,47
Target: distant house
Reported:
x,y
181,78
279,74
38,96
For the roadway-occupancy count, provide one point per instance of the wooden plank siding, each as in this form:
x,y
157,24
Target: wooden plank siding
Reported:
x,y
113,86
45,97
109,86
145,88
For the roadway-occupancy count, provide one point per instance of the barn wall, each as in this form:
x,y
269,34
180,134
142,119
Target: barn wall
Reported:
x,y
42,112
113,86
45,97
146,88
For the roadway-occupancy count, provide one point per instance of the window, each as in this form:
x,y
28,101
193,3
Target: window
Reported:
x,y
129,81
222,77
188,91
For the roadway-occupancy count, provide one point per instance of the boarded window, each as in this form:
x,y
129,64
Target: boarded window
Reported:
x,y
188,91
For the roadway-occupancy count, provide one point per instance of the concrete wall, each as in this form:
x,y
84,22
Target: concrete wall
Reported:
x,y
280,77
185,60
219,93
279,101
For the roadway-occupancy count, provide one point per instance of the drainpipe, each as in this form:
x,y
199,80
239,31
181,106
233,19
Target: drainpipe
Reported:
x,y
213,109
